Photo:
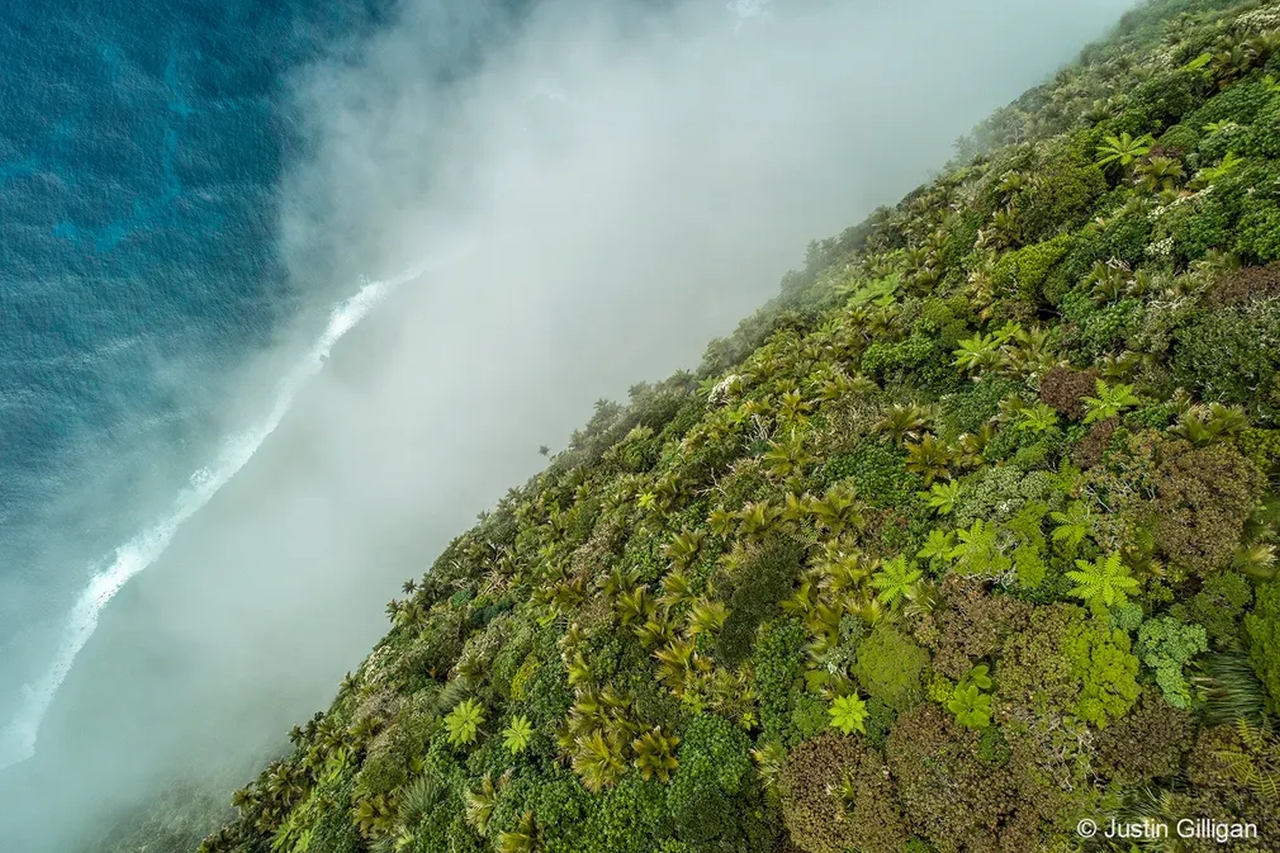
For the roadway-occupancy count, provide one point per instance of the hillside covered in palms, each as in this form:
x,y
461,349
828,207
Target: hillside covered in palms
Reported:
x,y
967,536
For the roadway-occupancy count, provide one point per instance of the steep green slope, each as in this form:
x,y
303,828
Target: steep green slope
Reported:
x,y
967,537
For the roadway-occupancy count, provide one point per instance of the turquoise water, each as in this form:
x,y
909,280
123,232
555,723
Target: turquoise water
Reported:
x,y
141,150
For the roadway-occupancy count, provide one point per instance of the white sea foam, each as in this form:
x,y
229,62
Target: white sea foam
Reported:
x,y
18,739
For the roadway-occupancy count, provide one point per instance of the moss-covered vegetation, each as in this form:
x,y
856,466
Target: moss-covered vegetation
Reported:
x,y
968,535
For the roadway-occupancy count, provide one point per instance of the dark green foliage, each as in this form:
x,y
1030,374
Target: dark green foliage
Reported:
x,y
1022,273
969,409
878,471
777,663
1262,630
1182,138
1195,226
752,594
1218,607
711,795
1232,355
1061,202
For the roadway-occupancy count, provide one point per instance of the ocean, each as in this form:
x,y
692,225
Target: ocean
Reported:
x,y
141,148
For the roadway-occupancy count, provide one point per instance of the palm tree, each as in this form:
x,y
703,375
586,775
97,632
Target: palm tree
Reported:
x,y
655,754
598,761
903,421
930,459
1123,149
1159,173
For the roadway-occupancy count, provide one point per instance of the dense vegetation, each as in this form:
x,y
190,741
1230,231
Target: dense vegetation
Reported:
x,y
970,534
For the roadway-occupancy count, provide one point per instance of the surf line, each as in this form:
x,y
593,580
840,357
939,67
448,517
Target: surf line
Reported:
x,y
18,739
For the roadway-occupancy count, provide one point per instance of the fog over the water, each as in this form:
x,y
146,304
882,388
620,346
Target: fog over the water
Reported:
x,y
606,187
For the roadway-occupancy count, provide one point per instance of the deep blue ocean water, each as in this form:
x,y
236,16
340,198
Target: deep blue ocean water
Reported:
x,y
141,149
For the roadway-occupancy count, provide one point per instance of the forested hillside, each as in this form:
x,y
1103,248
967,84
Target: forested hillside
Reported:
x,y
966,537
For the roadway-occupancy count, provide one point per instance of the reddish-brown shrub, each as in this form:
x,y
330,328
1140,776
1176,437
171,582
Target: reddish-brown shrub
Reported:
x,y
1246,285
1065,390
1090,449
815,781
973,624
1203,497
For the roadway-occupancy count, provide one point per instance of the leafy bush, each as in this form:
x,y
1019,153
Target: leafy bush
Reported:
x,y
891,667
1165,645
1101,662
710,798
1262,628
837,794
1025,270
1203,497
1231,355
1147,744
948,793
777,662
753,593
1066,389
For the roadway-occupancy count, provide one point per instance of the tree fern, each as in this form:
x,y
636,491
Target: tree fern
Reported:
x,y
894,580
1111,401
1104,582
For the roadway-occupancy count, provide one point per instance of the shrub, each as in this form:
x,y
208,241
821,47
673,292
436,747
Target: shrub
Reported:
x,y
1065,390
1259,233
878,471
948,793
837,794
894,360
1066,664
1064,198
1165,645
1090,449
1180,137
1218,606
778,660
890,666
973,625
709,797
1023,272
1124,237
966,411
1232,356
753,593
1105,670
1262,628
1203,497
1195,226
1147,743
1245,286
